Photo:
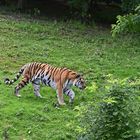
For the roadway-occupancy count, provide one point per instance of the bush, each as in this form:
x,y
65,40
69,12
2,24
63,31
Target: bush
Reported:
x,y
116,117
129,23
80,5
81,9
129,5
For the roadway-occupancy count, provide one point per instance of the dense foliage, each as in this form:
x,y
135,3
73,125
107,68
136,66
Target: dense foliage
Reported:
x,y
81,8
116,117
129,5
127,23
85,9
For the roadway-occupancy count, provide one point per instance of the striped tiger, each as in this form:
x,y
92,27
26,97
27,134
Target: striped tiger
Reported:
x,y
60,79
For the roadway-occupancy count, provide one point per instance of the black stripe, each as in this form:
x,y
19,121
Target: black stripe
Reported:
x,y
58,70
17,76
77,76
21,71
30,69
42,72
38,75
49,77
37,70
21,85
39,67
24,82
68,81
15,79
35,83
49,83
42,76
53,72
48,67
46,73
68,93
43,66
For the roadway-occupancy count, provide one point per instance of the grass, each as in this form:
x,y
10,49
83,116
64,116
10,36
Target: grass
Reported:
x,y
88,50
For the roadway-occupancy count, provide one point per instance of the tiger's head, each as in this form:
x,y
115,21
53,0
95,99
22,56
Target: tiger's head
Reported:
x,y
79,82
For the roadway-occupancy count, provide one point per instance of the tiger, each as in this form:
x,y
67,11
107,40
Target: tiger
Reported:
x,y
60,79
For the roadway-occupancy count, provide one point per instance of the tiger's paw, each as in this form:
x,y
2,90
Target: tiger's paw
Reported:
x,y
42,97
62,104
18,95
71,101
39,96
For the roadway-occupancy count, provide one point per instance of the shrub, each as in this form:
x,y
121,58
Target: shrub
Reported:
x,y
80,9
115,118
129,23
80,5
129,5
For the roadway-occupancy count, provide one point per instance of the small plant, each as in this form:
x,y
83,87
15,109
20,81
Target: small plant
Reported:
x,y
36,12
116,117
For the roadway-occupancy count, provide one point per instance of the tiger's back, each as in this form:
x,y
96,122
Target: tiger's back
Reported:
x,y
45,72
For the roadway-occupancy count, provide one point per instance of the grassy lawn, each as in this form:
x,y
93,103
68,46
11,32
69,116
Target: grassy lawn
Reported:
x,y
88,50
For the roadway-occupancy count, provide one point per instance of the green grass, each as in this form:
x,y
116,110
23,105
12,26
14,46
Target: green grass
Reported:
x,y
88,50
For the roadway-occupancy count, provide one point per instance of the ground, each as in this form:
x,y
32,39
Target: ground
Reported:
x,y
89,50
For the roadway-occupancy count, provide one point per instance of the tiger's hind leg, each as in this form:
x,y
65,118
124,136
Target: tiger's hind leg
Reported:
x,y
23,82
37,89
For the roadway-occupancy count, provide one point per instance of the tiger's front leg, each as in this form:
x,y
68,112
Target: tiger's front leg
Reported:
x,y
70,93
60,94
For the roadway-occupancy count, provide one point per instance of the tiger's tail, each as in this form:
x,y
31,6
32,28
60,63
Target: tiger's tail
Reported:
x,y
7,81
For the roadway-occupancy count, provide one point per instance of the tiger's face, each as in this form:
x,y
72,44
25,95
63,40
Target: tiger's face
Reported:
x,y
80,82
